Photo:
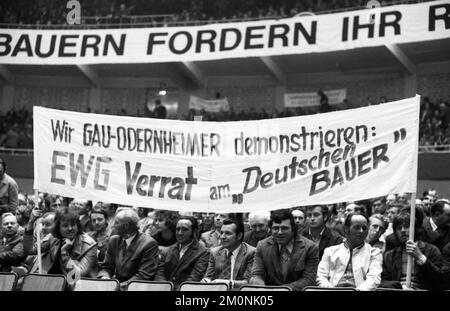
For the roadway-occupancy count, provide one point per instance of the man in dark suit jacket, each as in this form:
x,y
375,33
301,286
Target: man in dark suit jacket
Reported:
x,y
436,229
11,243
285,258
185,260
131,255
232,261
317,231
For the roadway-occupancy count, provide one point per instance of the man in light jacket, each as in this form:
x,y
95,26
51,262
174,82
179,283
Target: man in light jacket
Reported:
x,y
352,263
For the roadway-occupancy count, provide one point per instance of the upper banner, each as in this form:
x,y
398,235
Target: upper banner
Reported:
x,y
296,35
211,105
228,166
335,97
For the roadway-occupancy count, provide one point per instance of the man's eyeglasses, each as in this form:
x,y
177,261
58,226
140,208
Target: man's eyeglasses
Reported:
x,y
282,228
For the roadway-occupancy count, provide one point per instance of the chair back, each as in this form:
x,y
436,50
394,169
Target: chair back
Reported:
x,y
382,289
8,281
203,287
44,282
255,288
149,286
328,289
96,285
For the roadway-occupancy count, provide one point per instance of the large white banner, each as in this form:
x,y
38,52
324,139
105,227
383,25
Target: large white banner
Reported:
x,y
228,166
211,105
311,99
296,35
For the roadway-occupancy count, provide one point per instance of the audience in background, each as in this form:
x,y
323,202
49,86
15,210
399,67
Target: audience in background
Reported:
x,y
259,228
179,12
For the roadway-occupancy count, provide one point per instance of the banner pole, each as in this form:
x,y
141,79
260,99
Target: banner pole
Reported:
x,y
38,233
412,221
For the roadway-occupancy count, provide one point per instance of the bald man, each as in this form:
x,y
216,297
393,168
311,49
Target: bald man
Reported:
x,y
259,224
131,255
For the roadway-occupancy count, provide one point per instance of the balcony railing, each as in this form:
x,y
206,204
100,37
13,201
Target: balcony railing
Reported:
x,y
170,20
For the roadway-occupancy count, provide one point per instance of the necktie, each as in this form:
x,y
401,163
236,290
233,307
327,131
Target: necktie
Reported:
x,y
226,272
284,254
122,250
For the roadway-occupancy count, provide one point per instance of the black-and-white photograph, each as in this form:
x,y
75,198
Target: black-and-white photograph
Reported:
x,y
224,147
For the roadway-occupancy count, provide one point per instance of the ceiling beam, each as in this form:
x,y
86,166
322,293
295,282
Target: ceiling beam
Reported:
x,y
175,74
91,75
402,58
194,73
275,70
6,74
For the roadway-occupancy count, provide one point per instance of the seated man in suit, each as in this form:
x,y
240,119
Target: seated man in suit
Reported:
x,y
130,255
185,260
427,259
285,258
436,229
11,243
317,231
212,238
232,261
259,225
352,263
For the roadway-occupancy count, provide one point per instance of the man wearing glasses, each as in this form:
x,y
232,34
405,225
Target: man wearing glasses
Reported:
x,y
285,258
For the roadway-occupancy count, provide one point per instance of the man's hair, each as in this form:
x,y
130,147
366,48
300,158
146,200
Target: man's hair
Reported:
x,y
3,163
382,199
6,215
348,219
253,215
194,222
131,218
380,218
170,217
280,215
66,214
404,218
323,209
361,210
239,226
399,206
98,210
438,207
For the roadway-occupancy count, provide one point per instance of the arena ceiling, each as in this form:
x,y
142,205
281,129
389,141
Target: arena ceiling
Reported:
x,y
401,57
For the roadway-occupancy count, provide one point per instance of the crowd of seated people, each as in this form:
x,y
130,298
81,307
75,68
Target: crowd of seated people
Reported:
x,y
43,12
363,245
16,129
435,123
16,126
